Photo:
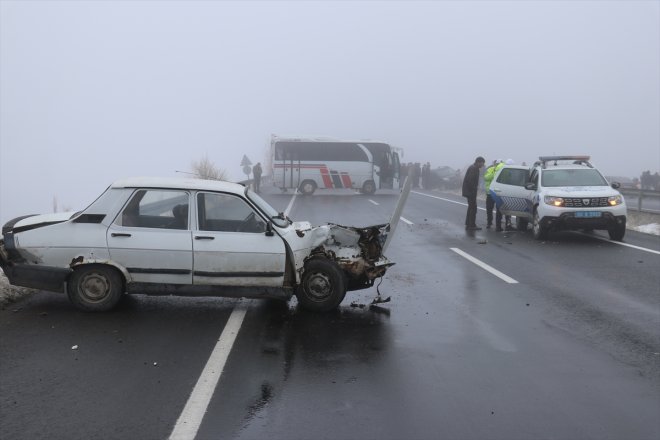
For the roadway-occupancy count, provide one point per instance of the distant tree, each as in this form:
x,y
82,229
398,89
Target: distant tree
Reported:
x,y
205,169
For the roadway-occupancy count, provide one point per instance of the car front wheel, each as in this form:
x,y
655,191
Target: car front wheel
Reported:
x,y
95,288
322,286
540,233
617,231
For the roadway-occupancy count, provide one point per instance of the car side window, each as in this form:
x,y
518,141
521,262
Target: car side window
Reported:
x,y
227,213
512,176
154,208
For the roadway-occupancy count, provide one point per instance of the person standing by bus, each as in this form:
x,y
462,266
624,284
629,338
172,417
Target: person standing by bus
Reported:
x,y
470,187
256,171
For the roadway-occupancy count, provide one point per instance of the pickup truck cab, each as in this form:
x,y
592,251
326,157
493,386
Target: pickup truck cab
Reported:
x,y
560,193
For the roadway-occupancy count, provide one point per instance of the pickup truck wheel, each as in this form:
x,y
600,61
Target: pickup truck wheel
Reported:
x,y
322,286
95,288
617,231
521,224
540,233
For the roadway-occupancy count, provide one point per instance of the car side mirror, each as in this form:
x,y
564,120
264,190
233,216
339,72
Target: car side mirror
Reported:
x,y
530,186
616,185
269,229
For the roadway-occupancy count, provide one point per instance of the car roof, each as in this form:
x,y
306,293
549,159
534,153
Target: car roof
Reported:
x,y
179,183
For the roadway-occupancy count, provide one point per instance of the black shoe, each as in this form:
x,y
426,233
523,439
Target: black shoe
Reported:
x,y
473,228
499,229
510,228
489,225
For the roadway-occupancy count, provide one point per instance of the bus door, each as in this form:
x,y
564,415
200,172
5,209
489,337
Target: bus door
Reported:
x,y
396,170
291,170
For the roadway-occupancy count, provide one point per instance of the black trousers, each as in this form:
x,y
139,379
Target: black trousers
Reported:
x,y
471,216
490,204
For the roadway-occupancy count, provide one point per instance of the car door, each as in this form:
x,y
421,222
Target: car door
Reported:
x,y
509,192
151,237
231,245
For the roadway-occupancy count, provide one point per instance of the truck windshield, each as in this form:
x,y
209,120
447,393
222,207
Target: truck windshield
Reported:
x,y
572,177
277,218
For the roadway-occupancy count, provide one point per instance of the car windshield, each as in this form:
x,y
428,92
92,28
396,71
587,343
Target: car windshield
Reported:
x,y
572,177
278,219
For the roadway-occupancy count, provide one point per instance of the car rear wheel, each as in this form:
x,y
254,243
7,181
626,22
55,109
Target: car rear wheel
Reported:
x,y
521,223
617,231
95,288
322,287
540,233
308,187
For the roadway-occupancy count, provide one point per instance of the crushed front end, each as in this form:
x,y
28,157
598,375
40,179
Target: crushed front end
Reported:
x,y
357,251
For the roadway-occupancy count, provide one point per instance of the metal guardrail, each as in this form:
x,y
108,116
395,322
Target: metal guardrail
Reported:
x,y
651,197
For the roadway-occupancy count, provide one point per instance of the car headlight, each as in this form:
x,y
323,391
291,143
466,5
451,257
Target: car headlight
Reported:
x,y
614,200
554,201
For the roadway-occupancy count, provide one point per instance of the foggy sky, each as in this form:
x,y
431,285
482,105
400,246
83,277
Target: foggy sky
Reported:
x,y
91,92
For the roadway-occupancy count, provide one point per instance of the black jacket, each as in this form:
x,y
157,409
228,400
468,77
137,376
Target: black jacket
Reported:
x,y
471,181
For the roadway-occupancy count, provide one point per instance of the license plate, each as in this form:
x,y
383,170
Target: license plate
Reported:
x,y
588,214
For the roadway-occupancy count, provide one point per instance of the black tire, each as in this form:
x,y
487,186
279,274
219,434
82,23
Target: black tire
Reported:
x,y
322,287
617,231
307,187
369,187
521,223
540,233
95,287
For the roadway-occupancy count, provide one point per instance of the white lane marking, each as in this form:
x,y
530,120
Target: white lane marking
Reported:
x,y
287,211
623,244
405,220
191,417
485,266
446,200
375,203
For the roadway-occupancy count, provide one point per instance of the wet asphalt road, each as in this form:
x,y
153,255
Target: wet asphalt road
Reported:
x,y
570,351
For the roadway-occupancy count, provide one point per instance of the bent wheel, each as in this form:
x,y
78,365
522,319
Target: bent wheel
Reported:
x,y
322,286
95,288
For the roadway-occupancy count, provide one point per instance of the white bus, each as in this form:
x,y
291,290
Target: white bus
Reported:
x,y
313,163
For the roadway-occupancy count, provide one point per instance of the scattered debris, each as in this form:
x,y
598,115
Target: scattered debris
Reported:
x,y
482,242
75,347
155,364
356,304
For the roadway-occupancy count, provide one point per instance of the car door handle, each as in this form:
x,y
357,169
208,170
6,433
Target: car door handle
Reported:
x,y
120,234
203,237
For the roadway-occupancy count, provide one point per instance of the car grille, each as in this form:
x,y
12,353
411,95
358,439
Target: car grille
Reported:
x,y
585,202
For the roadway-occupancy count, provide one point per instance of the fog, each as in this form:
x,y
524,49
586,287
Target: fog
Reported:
x,y
95,91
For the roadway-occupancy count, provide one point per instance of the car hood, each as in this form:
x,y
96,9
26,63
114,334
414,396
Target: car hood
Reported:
x,y
582,191
35,221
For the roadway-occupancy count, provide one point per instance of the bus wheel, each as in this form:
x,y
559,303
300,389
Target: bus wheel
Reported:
x,y
369,187
307,187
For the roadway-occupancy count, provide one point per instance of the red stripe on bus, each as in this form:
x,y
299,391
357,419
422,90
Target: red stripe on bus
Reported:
x,y
327,181
346,180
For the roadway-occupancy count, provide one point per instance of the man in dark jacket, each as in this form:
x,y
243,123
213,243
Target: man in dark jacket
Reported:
x,y
470,187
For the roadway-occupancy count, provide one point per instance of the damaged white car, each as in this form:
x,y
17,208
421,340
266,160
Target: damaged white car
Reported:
x,y
167,236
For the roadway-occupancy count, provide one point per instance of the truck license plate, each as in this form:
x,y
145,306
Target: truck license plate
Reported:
x,y
588,214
